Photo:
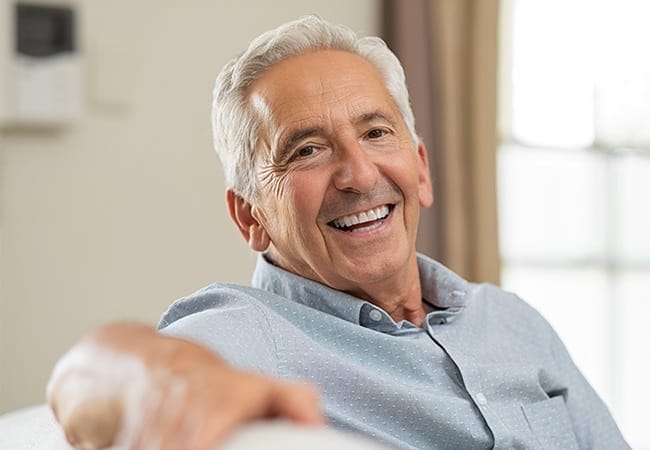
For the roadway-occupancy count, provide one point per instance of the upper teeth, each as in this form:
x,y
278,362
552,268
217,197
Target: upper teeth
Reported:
x,y
362,217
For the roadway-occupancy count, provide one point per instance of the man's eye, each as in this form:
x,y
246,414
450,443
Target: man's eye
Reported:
x,y
376,133
306,151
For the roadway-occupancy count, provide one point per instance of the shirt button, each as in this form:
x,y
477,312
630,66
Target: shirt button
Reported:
x,y
375,315
481,399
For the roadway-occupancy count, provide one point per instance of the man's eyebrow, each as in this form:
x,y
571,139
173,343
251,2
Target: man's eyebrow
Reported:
x,y
372,116
293,138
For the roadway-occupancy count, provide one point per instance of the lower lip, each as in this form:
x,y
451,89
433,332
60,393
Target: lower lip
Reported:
x,y
373,226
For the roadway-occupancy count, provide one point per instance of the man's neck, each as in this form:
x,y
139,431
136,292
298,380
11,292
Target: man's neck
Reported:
x,y
408,307
400,296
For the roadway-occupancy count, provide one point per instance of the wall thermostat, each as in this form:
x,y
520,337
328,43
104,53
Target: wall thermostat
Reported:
x,y
40,64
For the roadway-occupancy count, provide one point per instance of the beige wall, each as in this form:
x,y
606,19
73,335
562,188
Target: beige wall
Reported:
x,y
114,217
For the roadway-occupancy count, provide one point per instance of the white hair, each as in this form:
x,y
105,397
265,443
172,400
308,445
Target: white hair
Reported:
x,y
236,127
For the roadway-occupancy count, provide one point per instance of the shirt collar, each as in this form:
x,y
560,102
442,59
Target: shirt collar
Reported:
x,y
441,288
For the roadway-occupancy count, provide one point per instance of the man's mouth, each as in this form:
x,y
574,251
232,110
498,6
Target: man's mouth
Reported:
x,y
362,221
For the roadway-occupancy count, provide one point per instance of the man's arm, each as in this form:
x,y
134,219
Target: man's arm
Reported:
x,y
127,384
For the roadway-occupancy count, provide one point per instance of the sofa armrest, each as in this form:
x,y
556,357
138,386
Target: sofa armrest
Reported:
x,y
35,428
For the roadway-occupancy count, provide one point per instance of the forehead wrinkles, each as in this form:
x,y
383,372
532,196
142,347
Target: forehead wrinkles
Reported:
x,y
315,111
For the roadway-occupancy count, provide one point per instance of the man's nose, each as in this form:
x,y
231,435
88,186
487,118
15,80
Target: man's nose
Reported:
x,y
355,169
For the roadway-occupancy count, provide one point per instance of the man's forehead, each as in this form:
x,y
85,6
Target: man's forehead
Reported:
x,y
313,74
305,90
354,110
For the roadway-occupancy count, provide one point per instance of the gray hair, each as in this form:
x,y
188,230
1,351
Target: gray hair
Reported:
x,y
236,127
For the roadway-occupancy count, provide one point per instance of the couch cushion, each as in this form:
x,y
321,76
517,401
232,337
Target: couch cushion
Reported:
x,y
31,428
35,428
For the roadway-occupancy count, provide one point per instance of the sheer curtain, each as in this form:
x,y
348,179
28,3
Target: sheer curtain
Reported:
x,y
449,51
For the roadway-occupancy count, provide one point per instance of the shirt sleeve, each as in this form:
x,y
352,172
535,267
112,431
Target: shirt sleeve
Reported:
x,y
227,321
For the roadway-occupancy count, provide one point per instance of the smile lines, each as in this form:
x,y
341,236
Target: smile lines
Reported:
x,y
371,215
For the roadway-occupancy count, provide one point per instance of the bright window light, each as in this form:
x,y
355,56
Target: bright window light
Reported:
x,y
574,182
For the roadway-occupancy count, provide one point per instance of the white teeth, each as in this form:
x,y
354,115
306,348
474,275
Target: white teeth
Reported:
x,y
371,215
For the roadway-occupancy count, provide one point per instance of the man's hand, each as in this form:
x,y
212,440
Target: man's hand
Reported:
x,y
128,385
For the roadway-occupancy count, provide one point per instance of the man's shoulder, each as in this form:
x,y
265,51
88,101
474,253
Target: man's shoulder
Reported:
x,y
499,309
222,297
502,301
236,322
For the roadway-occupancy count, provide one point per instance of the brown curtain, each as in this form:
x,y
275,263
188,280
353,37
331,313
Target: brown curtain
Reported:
x,y
449,52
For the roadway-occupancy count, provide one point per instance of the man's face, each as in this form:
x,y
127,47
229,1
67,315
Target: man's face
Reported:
x,y
340,180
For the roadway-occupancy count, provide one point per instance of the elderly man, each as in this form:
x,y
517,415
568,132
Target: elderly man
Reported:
x,y
326,178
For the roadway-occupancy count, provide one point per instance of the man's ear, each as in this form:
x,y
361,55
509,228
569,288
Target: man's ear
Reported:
x,y
425,189
253,231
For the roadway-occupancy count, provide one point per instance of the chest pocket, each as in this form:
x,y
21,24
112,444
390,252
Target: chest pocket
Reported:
x,y
549,420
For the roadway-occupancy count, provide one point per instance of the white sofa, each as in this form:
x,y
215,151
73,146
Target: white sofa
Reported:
x,y
35,428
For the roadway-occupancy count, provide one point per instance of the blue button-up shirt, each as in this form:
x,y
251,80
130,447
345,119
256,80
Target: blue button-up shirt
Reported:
x,y
484,371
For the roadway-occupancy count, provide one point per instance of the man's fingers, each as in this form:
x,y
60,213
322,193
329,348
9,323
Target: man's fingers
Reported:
x,y
102,422
298,402
269,398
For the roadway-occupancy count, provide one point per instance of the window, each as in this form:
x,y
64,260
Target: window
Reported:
x,y
574,186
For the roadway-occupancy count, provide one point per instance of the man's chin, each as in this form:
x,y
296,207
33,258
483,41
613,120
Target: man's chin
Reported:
x,y
370,268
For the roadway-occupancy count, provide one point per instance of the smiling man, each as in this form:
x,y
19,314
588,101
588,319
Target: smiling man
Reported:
x,y
340,180
326,179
